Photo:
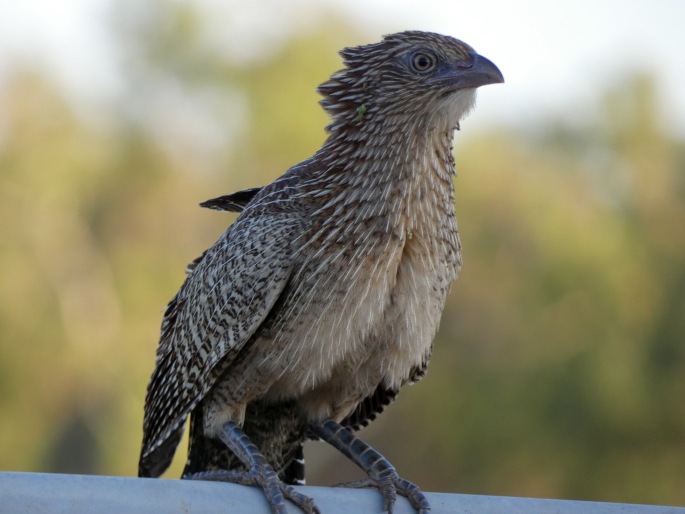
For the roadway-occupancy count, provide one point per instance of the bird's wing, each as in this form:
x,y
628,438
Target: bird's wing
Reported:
x,y
370,407
215,313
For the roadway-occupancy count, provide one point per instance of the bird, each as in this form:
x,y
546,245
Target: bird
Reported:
x,y
322,299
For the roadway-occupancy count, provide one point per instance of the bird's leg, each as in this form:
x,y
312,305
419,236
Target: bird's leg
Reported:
x,y
259,472
381,474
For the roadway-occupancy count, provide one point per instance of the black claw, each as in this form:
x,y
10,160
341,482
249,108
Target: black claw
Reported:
x,y
259,473
389,495
273,491
413,494
302,501
381,474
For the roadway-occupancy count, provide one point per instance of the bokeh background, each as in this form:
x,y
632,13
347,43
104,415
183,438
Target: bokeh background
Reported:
x,y
559,369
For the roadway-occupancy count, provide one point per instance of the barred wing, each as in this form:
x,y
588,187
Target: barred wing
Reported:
x,y
219,307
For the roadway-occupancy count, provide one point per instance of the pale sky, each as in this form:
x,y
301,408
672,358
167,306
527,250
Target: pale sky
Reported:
x,y
554,55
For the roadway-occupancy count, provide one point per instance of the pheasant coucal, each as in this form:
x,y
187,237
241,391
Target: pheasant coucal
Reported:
x,y
322,299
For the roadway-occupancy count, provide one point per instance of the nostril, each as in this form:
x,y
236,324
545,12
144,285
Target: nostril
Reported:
x,y
467,63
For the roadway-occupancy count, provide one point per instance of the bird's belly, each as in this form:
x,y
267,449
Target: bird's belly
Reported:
x,y
339,332
337,322
375,329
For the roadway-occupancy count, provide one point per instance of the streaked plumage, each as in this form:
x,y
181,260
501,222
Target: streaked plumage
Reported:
x,y
323,298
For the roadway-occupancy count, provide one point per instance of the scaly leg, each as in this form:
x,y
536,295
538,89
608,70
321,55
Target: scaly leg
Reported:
x,y
381,474
259,472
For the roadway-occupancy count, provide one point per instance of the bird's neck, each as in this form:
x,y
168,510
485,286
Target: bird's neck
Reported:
x,y
397,174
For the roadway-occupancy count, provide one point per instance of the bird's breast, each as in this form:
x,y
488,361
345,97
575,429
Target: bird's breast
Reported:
x,y
360,311
364,300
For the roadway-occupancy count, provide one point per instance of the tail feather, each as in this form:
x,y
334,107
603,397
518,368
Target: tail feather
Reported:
x,y
293,473
157,461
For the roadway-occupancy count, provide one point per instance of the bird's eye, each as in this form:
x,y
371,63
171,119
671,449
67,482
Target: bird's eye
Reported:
x,y
423,61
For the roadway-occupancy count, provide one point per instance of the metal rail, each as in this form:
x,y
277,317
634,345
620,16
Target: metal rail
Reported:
x,y
41,493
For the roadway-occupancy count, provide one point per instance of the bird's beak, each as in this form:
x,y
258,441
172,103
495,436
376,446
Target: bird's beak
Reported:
x,y
473,72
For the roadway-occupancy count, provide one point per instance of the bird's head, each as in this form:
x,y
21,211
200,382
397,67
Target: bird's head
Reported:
x,y
424,77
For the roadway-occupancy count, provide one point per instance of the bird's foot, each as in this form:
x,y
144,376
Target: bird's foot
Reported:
x,y
275,490
258,472
380,473
390,484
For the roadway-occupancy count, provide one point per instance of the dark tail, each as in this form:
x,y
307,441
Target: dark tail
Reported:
x,y
155,463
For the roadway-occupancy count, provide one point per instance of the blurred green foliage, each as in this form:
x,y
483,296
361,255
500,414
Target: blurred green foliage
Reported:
x,y
559,369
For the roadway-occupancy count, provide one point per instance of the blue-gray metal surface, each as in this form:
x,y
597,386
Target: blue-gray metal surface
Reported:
x,y
76,494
